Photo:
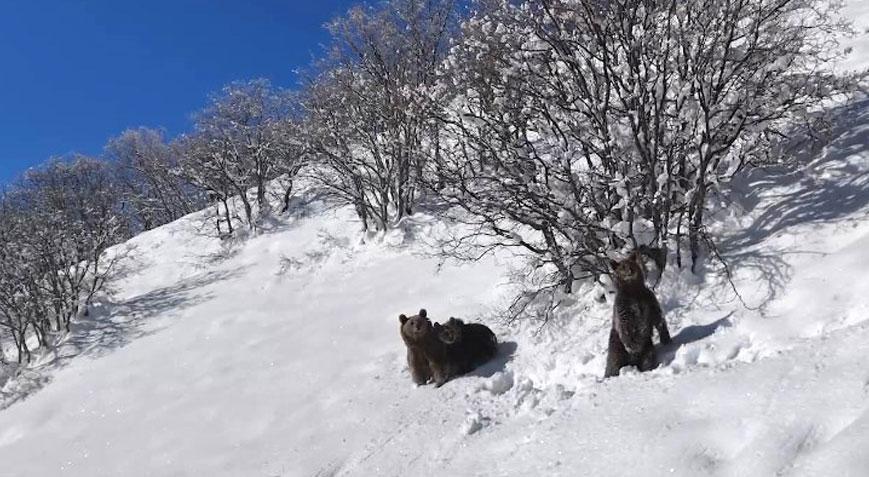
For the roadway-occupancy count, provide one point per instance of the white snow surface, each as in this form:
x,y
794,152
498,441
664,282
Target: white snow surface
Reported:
x,y
280,354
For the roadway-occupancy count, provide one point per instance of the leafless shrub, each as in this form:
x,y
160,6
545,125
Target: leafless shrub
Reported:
x,y
571,129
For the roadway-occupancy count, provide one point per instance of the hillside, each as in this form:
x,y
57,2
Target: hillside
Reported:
x,y
280,354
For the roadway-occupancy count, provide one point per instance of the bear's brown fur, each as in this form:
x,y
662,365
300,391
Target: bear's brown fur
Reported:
x,y
468,345
636,312
441,352
426,353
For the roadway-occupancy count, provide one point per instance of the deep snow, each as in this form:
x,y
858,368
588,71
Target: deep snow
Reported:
x,y
280,354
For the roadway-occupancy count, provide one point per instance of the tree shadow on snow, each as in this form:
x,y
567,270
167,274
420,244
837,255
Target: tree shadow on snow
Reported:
x,y
822,185
506,351
688,335
108,327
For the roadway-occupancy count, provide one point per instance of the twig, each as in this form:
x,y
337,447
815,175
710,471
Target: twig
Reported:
x,y
727,272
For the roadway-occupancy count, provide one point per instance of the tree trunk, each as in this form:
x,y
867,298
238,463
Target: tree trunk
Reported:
x,y
226,213
694,227
288,192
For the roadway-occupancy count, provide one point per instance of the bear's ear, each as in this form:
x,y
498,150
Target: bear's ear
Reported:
x,y
402,318
423,313
613,264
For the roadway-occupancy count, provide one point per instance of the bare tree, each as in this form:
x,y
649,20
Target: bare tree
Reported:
x,y
580,127
290,157
367,121
20,301
241,142
147,174
57,224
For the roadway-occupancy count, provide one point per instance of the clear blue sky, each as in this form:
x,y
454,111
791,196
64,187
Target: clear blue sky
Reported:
x,y
74,73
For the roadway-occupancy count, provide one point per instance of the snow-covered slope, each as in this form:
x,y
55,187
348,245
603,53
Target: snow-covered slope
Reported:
x,y
280,355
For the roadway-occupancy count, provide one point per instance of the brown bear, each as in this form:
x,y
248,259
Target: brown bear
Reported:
x,y
636,312
468,345
426,353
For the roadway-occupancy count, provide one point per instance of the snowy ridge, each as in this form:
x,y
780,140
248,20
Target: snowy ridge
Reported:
x,y
280,355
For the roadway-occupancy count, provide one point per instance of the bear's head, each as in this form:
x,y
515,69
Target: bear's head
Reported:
x,y
415,328
628,271
451,331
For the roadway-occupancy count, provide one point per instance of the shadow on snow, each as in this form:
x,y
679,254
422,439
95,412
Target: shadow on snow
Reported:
x,y
506,351
688,335
823,185
110,326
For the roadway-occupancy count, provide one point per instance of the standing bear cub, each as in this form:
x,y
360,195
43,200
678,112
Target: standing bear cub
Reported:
x,y
441,352
635,312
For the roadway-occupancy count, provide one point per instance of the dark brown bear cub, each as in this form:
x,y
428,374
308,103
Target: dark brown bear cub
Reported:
x,y
426,353
468,345
635,312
